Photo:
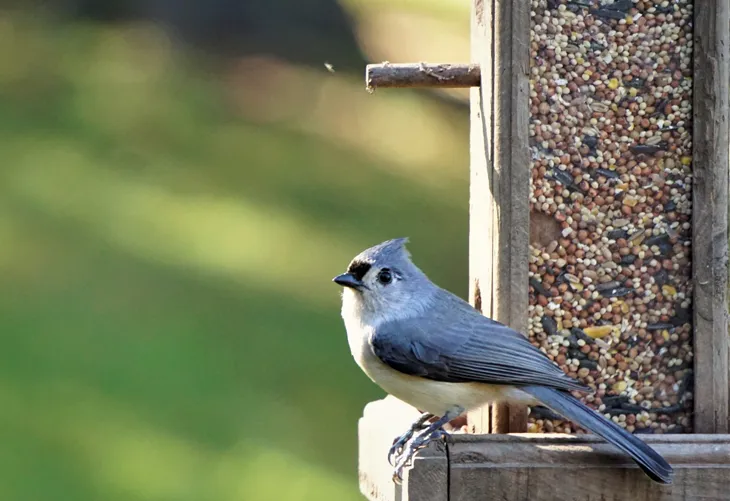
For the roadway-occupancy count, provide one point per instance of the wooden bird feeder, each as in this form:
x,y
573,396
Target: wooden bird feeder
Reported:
x,y
616,114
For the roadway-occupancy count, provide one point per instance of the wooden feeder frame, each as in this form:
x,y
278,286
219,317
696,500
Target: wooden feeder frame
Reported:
x,y
497,459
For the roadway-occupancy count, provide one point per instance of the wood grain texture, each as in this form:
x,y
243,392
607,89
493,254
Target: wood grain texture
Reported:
x,y
425,480
541,467
500,176
440,75
710,215
534,466
480,202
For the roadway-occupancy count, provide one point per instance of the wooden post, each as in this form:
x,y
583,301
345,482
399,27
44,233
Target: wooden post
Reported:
x,y
426,480
710,215
500,180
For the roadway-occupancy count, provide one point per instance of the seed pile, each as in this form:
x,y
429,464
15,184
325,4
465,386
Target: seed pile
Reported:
x,y
610,138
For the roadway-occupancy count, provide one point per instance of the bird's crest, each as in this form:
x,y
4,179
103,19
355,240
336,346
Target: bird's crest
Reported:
x,y
385,252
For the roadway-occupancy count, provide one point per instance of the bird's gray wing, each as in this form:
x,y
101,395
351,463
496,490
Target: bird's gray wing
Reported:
x,y
471,348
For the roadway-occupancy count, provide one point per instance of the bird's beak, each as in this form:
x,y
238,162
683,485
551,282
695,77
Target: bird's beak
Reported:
x,y
347,280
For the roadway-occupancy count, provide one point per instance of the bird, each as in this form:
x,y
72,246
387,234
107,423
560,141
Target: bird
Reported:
x,y
431,349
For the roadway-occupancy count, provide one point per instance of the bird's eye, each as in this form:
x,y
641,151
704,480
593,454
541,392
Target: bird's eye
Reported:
x,y
385,276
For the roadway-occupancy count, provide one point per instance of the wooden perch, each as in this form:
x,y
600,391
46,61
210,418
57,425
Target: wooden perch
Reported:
x,y
422,75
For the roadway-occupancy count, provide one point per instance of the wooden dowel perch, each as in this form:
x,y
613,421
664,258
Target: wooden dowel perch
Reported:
x,y
422,75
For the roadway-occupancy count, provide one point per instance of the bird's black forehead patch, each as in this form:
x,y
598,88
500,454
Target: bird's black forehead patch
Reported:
x,y
358,269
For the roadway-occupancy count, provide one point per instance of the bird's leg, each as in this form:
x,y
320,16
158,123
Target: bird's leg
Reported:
x,y
399,442
434,431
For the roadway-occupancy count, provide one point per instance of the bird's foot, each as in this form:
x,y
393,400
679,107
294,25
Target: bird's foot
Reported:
x,y
418,443
434,431
397,449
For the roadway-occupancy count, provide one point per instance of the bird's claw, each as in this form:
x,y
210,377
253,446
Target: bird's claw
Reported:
x,y
397,449
398,470
418,443
398,445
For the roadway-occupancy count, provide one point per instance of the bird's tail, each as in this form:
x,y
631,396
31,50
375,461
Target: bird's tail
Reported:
x,y
654,465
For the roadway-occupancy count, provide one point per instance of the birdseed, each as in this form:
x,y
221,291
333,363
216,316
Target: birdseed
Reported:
x,y
610,139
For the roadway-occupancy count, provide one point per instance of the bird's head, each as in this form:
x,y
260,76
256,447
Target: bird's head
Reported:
x,y
383,283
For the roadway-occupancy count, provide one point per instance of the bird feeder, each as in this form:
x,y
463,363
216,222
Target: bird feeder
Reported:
x,y
599,229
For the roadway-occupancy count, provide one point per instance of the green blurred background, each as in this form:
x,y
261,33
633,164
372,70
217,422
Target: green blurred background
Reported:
x,y
180,181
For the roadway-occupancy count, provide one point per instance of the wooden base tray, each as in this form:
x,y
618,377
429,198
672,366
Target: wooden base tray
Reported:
x,y
533,467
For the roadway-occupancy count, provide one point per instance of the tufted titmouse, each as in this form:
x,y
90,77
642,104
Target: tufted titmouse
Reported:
x,y
434,351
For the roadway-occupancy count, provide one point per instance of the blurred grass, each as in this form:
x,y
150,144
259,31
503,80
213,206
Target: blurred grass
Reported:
x,y
170,330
